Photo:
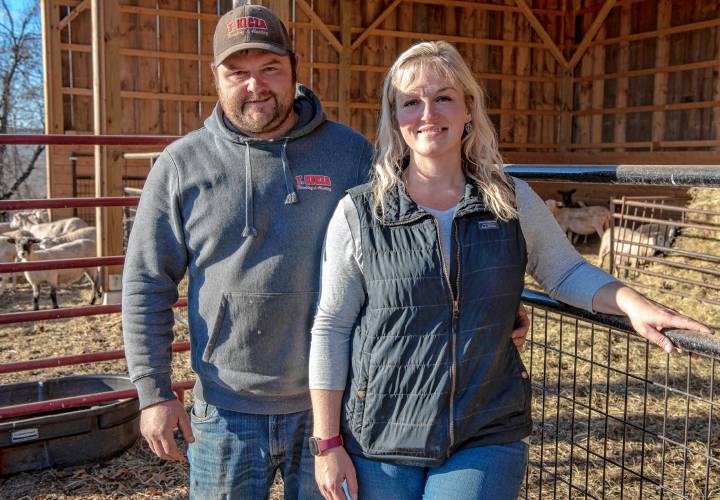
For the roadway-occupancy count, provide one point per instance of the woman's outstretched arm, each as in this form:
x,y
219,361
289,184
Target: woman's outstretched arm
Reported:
x,y
648,318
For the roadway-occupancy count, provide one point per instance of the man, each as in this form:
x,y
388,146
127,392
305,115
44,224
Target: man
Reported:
x,y
241,206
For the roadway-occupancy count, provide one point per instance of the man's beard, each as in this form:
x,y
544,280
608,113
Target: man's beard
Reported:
x,y
254,123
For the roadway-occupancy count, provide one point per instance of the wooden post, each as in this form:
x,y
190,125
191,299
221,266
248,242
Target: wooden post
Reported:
x,y
345,72
522,89
52,82
508,69
620,134
716,85
281,8
585,87
598,88
107,119
662,58
567,88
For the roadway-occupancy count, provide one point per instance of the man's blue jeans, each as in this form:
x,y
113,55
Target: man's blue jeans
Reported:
x,y
488,472
236,455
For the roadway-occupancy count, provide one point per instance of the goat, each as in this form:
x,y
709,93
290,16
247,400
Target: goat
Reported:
x,y
57,228
84,233
25,219
567,200
586,220
636,242
56,277
7,254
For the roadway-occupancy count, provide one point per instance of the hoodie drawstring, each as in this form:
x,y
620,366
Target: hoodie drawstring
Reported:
x,y
291,194
249,215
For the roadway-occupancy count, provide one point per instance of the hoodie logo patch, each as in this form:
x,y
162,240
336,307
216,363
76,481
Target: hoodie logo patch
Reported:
x,y
314,182
491,224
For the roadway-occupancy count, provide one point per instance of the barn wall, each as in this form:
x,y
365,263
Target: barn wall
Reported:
x,y
646,89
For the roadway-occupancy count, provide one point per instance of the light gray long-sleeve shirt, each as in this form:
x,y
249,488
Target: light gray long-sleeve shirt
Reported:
x,y
552,261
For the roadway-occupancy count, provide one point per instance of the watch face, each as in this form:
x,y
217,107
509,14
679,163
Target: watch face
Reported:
x,y
313,445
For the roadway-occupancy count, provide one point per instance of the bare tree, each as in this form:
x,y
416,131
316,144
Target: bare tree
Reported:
x,y
21,100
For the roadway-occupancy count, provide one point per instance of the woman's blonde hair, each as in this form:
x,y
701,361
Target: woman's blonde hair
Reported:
x,y
481,159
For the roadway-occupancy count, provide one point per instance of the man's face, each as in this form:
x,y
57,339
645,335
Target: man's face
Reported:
x,y
256,91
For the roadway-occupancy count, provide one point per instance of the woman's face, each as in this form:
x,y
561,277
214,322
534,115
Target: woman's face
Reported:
x,y
431,114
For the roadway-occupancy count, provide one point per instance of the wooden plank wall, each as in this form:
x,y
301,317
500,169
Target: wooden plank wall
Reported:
x,y
648,80
646,89
166,82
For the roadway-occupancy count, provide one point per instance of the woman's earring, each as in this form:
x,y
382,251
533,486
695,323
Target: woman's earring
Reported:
x,y
468,127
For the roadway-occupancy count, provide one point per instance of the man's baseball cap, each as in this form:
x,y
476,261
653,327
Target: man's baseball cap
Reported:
x,y
249,27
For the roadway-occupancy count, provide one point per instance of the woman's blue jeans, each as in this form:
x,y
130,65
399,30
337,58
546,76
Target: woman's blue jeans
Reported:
x,y
236,455
488,472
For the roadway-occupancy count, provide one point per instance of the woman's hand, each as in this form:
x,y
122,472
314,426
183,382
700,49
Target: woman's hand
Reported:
x,y
520,330
331,469
648,318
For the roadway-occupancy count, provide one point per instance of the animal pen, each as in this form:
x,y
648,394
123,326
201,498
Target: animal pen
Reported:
x,y
570,83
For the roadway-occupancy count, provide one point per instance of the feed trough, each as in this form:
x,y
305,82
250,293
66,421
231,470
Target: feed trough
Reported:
x,y
70,436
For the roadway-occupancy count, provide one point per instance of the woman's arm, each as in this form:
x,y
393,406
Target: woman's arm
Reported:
x,y
648,318
341,298
557,266
333,466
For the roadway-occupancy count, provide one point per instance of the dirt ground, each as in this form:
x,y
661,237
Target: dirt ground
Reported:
x,y
588,410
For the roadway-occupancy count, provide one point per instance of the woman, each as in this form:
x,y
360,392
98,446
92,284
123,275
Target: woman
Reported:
x,y
411,358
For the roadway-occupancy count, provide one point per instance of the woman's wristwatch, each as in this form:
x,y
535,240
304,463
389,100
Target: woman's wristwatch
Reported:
x,y
318,445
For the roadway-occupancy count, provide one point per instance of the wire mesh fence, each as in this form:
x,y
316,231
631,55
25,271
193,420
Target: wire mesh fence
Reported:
x,y
615,417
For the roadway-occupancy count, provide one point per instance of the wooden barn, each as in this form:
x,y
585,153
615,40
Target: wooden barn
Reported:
x,y
568,81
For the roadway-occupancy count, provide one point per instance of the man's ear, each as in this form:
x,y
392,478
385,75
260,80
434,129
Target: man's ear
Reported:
x,y
214,71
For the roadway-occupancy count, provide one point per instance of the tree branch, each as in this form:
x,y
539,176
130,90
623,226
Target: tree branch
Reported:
x,y
25,174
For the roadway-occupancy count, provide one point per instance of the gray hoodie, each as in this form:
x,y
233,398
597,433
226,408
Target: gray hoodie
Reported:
x,y
245,218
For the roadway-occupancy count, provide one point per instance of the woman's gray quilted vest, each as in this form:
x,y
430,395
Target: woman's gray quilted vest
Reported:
x,y
433,366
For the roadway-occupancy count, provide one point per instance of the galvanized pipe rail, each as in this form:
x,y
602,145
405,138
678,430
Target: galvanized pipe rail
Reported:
x,y
687,340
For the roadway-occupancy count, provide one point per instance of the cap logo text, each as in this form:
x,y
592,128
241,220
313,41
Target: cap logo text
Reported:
x,y
248,23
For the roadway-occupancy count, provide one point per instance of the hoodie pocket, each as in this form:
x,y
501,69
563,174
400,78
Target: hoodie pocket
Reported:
x,y
260,342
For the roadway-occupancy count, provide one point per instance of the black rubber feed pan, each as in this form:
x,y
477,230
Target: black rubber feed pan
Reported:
x,y
70,437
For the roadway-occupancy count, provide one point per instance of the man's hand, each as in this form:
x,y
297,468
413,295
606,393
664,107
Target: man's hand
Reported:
x,y
522,325
331,469
157,423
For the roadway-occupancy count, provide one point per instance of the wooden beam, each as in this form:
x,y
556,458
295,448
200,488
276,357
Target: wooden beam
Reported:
x,y
675,68
180,14
716,85
650,108
65,21
621,99
662,58
321,26
646,35
598,88
566,109
507,91
52,83
345,73
383,15
540,30
107,119
588,37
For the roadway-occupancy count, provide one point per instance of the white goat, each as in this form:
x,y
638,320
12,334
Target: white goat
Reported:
x,y
56,228
84,233
21,220
584,220
56,277
7,254
637,242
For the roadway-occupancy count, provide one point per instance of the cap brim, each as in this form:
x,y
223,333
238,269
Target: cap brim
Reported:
x,y
275,49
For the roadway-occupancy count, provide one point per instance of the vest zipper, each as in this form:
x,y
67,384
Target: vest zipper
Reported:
x,y
455,303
